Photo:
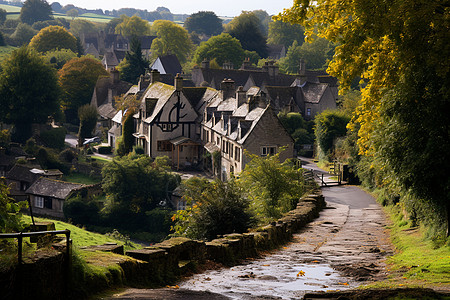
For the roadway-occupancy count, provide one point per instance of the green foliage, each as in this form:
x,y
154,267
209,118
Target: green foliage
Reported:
x,y
29,91
81,211
2,16
78,78
204,22
171,39
22,35
58,58
80,26
252,56
56,22
285,33
330,125
127,133
5,138
301,131
264,20
221,48
246,28
10,216
273,187
35,10
88,116
2,40
104,149
218,208
134,64
132,27
68,155
134,184
48,159
54,138
73,13
53,38
316,55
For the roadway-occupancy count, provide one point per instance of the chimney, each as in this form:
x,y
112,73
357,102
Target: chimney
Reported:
x,y
114,76
154,76
228,88
178,82
246,64
205,64
302,67
240,96
227,65
265,68
272,69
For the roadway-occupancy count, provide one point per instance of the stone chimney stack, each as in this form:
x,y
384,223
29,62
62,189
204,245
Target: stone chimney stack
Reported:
x,y
246,64
154,76
241,96
228,89
272,69
115,78
205,64
302,67
178,82
227,65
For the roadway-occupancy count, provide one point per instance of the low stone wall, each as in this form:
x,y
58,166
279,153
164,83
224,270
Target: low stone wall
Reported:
x,y
172,257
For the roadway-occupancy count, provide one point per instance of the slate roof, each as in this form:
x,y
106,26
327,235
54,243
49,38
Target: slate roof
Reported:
x,y
275,51
53,188
159,91
146,41
6,160
102,87
171,64
110,59
313,92
280,96
21,173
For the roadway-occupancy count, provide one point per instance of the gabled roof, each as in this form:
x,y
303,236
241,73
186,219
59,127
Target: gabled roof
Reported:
x,y
280,96
313,92
52,188
21,173
171,64
159,91
146,41
102,87
6,160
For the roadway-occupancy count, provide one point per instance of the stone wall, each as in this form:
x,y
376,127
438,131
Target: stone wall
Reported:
x,y
172,257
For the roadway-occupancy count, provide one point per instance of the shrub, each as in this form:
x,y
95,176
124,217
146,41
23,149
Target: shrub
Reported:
x,y
68,155
104,149
54,138
81,211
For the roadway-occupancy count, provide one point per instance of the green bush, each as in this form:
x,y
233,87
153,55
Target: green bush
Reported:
x,y
68,155
54,138
104,149
81,211
330,125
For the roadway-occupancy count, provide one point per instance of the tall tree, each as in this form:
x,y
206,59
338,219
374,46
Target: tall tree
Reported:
x,y
2,16
133,26
204,22
23,34
397,49
80,26
88,119
53,38
220,48
35,10
246,28
78,78
171,39
29,91
285,33
134,64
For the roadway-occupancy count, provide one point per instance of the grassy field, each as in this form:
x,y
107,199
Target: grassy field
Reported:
x,y
80,178
417,262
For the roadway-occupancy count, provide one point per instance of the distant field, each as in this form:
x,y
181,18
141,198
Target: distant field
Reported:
x,y
14,10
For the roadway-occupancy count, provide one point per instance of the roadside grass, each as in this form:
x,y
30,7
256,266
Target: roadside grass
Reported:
x,y
417,262
80,178
81,237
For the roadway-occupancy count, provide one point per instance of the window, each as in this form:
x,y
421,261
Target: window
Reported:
x,y
218,141
308,111
48,202
231,150
164,146
237,153
23,185
39,201
268,150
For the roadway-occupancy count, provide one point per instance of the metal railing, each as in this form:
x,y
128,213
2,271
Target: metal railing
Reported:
x,y
21,235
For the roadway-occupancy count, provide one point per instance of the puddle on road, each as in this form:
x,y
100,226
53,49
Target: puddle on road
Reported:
x,y
275,276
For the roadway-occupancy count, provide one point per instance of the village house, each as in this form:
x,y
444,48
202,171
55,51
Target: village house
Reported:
x,y
167,122
21,177
239,121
